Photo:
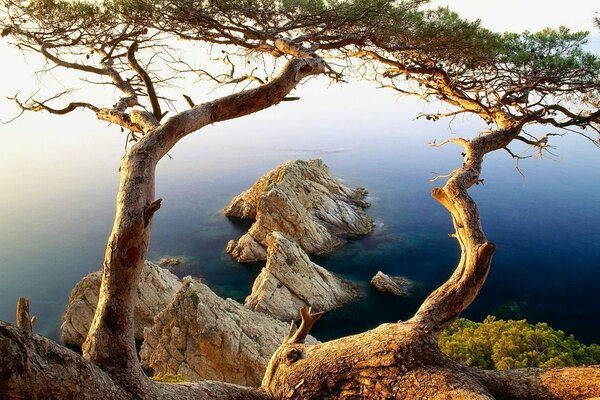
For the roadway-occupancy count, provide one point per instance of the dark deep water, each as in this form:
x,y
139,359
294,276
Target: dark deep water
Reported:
x,y
55,220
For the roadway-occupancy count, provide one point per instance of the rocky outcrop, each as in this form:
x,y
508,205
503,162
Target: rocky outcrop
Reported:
x,y
394,284
155,290
202,336
291,281
301,200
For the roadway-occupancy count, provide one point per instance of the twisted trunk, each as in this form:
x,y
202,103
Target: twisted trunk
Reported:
x,y
403,360
445,304
110,341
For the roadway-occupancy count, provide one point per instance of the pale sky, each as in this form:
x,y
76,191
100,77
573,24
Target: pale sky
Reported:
x,y
533,15
505,15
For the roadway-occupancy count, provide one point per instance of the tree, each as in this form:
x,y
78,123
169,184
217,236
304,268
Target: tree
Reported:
x,y
400,360
510,81
126,45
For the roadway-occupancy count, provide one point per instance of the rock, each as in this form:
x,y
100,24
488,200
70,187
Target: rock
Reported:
x,y
301,200
157,287
394,284
199,335
172,261
290,281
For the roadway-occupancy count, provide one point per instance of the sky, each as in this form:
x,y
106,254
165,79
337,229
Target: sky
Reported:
x,y
532,15
17,76
26,149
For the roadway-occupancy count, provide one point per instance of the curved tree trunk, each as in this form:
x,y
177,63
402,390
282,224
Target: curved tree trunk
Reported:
x,y
110,341
403,360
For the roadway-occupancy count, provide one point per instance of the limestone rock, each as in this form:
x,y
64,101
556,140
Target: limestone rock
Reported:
x,y
394,284
199,335
290,281
301,200
157,287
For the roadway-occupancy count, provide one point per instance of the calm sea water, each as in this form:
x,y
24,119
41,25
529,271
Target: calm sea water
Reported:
x,y
59,180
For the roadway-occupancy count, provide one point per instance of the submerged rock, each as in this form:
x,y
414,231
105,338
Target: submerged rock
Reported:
x,y
290,281
200,335
394,284
301,200
156,288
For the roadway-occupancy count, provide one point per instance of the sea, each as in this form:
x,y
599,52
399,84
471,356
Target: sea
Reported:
x,y
59,178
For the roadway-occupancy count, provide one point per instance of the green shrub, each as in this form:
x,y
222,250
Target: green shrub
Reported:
x,y
499,344
168,378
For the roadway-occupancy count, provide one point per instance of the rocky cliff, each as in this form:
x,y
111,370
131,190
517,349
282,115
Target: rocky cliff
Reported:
x,y
303,201
155,290
202,336
290,281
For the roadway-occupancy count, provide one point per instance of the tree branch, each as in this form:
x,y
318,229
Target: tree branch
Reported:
x,y
146,79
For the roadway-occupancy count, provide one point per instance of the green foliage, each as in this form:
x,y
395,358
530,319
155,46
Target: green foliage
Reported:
x,y
194,297
550,51
499,344
168,378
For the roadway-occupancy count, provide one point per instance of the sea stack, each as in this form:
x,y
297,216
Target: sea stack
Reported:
x,y
291,281
301,200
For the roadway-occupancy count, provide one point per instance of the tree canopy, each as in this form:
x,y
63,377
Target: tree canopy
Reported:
x,y
528,78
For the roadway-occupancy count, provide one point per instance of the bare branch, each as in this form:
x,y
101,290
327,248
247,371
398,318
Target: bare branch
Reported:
x,y
298,335
146,79
37,105
189,100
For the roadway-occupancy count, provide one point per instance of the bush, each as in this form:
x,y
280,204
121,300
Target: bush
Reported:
x,y
499,344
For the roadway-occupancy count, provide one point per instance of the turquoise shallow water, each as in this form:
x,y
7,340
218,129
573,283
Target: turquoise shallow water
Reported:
x,y
59,205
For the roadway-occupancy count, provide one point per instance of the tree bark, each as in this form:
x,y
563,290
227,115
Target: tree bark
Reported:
x,y
533,383
33,367
22,319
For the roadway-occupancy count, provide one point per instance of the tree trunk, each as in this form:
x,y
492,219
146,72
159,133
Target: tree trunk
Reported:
x,y
403,360
33,367
110,342
394,361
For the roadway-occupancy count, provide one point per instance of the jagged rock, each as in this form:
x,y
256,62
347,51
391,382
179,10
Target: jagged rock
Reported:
x,y
172,261
156,288
290,281
301,200
394,284
199,335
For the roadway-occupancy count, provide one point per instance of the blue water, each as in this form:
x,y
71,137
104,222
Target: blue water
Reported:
x,y
59,203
